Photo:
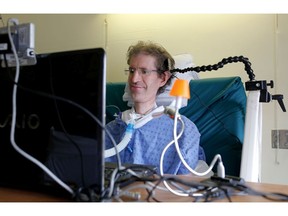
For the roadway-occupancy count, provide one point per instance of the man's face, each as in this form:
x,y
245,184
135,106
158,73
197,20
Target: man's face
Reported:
x,y
144,81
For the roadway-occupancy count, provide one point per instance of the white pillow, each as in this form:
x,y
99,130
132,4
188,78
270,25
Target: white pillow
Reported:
x,y
164,99
183,61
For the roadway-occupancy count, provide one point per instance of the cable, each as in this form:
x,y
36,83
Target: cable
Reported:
x,y
206,190
217,157
162,158
114,106
177,116
14,113
220,64
220,167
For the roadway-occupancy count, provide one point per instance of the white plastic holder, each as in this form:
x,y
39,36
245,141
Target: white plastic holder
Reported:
x,y
252,146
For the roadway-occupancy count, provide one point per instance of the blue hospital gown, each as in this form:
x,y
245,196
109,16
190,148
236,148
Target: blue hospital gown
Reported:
x,y
148,142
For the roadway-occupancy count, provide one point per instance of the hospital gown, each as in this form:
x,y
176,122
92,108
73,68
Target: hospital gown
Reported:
x,y
148,142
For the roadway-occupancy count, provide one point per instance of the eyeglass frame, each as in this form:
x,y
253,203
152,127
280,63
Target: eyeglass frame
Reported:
x,y
143,71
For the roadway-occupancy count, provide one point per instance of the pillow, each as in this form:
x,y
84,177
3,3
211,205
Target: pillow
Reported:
x,y
184,61
164,99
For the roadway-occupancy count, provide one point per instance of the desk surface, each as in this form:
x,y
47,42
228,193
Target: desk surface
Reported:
x,y
167,196
18,195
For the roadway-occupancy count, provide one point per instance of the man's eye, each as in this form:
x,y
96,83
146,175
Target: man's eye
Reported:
x,y
143,71
131,70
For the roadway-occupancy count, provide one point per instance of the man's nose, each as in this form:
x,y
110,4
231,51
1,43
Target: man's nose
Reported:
x,y
136,76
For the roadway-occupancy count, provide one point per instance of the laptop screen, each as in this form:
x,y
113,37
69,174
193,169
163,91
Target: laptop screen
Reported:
x,y
55,131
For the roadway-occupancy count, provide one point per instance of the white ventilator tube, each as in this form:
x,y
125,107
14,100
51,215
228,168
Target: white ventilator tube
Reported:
x,y
251,150
124,142
130,129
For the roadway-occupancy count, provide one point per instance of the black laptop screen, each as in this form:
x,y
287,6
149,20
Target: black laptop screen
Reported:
x,y
78,76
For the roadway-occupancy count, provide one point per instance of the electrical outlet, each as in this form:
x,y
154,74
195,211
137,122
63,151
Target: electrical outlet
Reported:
x,y
279,139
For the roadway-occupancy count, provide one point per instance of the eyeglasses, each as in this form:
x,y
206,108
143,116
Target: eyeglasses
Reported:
x,y
141,71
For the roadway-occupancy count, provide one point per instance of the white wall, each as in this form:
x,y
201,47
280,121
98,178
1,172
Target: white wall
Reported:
x,y
209,38
275,161
263,38
57,32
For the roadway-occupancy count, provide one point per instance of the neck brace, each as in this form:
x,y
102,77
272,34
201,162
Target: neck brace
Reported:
x,y
129,116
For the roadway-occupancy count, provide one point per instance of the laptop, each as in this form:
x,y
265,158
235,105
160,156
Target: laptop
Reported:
x,y
66,138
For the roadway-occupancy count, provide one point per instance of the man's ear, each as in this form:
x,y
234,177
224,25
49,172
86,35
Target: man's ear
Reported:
x,y
165,77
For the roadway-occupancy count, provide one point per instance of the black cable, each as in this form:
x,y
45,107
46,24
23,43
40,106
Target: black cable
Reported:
x,y
268,196
242,187
220,64
210,191
150,193
214,190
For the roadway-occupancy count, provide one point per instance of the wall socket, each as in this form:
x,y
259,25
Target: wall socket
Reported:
x,y
279,139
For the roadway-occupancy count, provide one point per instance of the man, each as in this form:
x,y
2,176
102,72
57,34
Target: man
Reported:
x,y
148,75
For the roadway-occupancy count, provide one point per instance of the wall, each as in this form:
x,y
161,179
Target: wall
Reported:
x,y
56,32
208,37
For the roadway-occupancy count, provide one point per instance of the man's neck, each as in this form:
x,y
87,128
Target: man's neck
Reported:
x,y
144,109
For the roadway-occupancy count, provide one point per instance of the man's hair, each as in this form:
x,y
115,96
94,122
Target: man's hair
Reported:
x,y
164,61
